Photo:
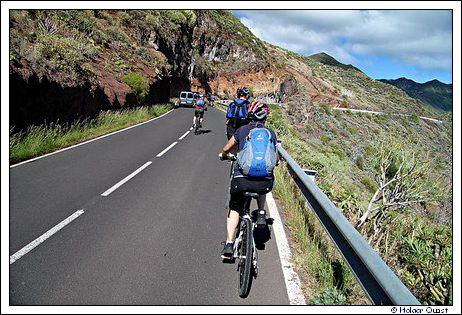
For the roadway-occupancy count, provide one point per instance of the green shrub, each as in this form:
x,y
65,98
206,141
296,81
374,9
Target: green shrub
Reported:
x,y
415,118
81,20
427,256
115,33
326,108
369,183
325,138
64,53
330,296
153,21
138,84
360,162
352,130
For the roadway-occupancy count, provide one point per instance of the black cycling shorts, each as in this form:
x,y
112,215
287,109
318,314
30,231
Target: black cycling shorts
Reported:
x,y
240,185
199,112
230,130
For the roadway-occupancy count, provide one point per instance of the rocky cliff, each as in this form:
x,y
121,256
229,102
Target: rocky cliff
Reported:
x,y
70,64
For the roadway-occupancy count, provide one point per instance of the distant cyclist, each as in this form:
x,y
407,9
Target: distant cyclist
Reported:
x,y
244,180
201,106
236,113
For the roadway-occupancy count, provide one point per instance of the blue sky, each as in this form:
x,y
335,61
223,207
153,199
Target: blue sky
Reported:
x,y
384,44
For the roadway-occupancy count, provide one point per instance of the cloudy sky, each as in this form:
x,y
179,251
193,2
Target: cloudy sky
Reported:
x,y
384,44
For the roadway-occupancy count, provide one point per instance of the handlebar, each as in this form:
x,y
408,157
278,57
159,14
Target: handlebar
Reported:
x,y
228,157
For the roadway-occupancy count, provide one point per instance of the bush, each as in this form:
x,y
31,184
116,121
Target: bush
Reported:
x,y
137,83
427,256
326,108
415,118
369,183
325,138
330,296
360,162
117,34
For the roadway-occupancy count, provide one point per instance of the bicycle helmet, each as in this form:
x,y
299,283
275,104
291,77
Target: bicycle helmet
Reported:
x,y
258,111
245,90
240,92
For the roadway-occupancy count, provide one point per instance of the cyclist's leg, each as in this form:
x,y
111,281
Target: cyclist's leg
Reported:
x,y
236,205
231,224
261,200
201,118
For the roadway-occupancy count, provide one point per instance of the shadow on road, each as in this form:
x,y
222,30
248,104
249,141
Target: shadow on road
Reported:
x,y
199,132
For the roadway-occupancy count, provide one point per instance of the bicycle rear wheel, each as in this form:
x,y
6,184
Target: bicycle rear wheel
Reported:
x,y
245,261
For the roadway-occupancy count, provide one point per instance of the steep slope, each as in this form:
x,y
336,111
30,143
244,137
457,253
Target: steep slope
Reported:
x,y
433,93
68,64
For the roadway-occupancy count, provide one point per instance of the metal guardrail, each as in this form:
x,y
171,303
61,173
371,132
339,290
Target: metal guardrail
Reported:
x,y
379,282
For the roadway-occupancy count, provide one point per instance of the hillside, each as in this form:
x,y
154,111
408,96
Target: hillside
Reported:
x,y
66,65
433,93
83,56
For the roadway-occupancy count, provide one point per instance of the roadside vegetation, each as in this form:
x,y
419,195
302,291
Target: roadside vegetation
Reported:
x,y
39,140
408,221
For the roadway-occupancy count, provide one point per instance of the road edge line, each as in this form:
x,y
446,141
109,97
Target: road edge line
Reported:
x,y
291,278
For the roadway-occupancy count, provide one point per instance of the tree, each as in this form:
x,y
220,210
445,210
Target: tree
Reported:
x,y
402,181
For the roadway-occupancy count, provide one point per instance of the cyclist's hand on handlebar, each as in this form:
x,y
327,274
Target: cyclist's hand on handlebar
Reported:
x,y
228,156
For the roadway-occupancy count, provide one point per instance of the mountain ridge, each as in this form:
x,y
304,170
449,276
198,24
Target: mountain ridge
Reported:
x,y
433,92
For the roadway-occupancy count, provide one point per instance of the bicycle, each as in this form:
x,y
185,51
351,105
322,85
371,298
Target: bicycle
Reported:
x,y
197,120
244,248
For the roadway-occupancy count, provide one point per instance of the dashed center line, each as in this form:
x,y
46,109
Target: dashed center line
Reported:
x,y
126,179
44,237
168,148
185,134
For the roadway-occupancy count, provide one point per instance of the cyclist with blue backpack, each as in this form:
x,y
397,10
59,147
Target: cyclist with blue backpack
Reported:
x,y
236,113
201,106
253,170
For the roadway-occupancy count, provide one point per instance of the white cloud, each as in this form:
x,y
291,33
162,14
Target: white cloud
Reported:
x,y
422,38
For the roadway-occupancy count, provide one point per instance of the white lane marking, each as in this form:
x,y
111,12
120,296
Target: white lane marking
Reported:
x,y
291,278
44,237
168,148
185,134
98,138
126,179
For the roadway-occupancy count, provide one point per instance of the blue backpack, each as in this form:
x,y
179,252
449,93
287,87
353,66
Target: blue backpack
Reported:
x,y
258,155
237,111
200,102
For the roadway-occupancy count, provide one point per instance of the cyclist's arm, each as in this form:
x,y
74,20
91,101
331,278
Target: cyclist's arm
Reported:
x,y
229,146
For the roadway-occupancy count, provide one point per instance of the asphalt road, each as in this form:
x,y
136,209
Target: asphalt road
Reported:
x,y
155,240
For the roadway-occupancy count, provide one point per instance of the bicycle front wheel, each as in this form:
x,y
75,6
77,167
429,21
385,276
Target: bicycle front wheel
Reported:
x,y
245,261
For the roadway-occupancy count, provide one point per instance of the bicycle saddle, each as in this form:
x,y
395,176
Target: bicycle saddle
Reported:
x,y
251,194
